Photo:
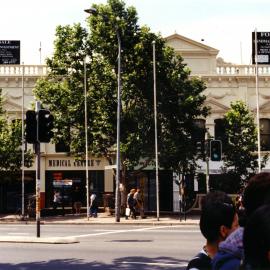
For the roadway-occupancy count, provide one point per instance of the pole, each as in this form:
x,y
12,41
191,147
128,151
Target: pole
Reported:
x,y
23,210
37,150
155,116
118,161
257,103
207,161
86,140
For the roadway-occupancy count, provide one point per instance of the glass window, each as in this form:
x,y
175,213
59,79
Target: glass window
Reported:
x,y
265,134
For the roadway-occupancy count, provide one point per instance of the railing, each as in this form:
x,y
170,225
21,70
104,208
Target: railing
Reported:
x,y
244,70
17,70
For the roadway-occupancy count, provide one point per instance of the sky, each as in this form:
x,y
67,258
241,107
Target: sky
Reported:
x,y
225,25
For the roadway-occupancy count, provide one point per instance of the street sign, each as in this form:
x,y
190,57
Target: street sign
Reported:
x,y
10,51
263,48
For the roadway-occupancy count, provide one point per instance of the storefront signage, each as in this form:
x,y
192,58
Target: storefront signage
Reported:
x,y
10,52
73,163
263,48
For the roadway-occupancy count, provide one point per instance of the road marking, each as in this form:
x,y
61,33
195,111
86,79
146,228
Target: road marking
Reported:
x,y
123,231
158,264
18,233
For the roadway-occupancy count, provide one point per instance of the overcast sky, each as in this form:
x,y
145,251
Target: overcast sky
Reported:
x,y
223,24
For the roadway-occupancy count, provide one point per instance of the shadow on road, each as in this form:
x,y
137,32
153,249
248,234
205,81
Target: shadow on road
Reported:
x,y
124,263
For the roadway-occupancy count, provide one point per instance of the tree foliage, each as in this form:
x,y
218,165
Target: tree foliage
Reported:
x,y
241,158
10,143
179,97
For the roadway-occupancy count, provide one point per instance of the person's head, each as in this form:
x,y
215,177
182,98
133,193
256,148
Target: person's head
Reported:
x,y
257,192
218,217
256,238
133,190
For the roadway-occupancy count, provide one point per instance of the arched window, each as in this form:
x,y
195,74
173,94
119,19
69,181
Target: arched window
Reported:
x,y
265,134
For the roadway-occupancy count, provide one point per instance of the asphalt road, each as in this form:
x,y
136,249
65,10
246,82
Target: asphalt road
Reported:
x,y
102,247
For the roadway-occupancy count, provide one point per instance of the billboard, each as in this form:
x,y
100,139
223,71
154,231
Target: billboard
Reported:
x,y
10,51
263,48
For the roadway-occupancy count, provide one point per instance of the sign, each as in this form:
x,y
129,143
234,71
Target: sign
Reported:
x,y
10,51
263,48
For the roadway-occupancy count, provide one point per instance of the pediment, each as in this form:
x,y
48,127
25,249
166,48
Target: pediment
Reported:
x,y
10,106
216,106
185,45
264,108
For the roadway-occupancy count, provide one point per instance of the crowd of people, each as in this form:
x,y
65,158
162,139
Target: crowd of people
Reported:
x,y
237,234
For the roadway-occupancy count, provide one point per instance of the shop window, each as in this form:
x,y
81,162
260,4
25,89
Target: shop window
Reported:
x,y
265,134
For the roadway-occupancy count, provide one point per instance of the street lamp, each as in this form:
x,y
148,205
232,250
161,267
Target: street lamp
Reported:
x,y
155,116
93,11
86,140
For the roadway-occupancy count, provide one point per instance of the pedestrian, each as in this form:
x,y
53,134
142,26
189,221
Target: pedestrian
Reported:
x,y
56,200
256,240
93,206
231,252
131,203
76,199
139,202
218,219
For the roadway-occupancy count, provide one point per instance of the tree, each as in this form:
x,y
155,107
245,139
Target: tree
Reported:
x,y
179,97
10,143
240,151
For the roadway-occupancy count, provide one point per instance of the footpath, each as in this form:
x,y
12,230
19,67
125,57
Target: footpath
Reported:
x,y
81,219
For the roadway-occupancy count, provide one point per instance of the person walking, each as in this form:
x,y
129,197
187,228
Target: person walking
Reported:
x,y
93,206
76,199
131,203
139,202
56,200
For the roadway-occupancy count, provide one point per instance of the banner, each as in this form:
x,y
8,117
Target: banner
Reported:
x,y
263,48
10,52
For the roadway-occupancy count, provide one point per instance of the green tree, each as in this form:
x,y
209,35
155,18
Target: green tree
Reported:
x,y
240,151
10,143
179,97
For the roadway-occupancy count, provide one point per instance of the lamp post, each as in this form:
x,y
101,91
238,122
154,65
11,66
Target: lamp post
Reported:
x,y
86,139
155,116
23,145
93,11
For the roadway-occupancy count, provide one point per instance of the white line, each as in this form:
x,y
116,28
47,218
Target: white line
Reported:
x,y
18,233
123,231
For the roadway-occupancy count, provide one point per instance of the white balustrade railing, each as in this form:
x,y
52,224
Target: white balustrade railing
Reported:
x,y
244,70
17,70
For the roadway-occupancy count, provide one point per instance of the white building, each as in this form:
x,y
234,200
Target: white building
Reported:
x,y
225,83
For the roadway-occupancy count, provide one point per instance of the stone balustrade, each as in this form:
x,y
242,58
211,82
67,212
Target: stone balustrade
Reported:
x,y
17,70
242,70
226,69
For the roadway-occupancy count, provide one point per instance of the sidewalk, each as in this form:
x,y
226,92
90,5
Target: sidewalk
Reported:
x,y
105,218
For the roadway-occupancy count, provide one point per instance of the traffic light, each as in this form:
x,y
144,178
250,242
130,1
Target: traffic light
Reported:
x,y
45,126
31,127
215,150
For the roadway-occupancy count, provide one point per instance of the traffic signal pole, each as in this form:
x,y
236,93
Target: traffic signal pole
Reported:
x,y
37,152
207,160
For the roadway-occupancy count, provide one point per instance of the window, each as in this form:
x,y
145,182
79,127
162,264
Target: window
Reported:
x,y
220,131
265,134
61,146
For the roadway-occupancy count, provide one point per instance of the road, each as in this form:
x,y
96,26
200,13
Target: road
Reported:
x,y
102,247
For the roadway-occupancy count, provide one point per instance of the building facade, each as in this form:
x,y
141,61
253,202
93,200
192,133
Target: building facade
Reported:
x,y
225,83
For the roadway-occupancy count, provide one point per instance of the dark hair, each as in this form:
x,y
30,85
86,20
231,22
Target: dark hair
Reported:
x,y
256,238
217,210
257,192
